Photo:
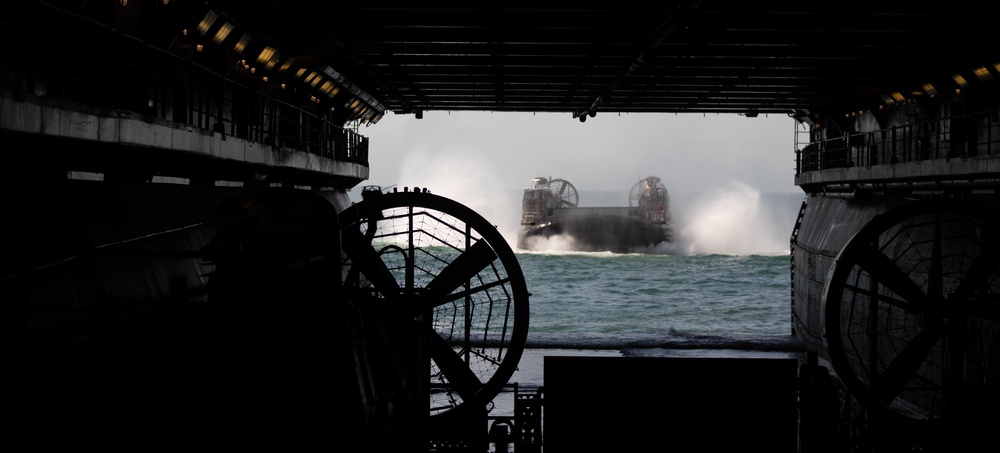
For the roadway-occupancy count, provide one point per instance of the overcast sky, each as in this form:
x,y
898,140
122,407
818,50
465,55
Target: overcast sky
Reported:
x,y
485,160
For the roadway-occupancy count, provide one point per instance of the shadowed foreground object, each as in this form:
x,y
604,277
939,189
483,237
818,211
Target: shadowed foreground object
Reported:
x,y
251,364
437,318
652,403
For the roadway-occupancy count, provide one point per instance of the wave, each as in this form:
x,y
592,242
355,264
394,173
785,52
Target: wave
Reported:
x,y
671,339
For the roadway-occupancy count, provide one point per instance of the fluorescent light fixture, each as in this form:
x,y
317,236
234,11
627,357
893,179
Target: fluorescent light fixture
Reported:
x,y
223,32
898,97
267,55
960,80
242,43
207,22
930,90
982,73
273,61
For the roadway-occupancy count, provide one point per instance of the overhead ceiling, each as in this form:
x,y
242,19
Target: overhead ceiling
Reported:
x,y
687,56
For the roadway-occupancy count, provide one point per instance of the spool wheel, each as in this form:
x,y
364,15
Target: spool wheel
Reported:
x,y
429,280
565,192
912,313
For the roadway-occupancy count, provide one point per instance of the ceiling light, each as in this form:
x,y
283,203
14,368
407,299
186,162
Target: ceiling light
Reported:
x,y
982,73
207,22
267,55
223,32
242,43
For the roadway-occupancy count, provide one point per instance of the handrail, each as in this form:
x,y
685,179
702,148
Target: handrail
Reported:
x,y
117,71
959,136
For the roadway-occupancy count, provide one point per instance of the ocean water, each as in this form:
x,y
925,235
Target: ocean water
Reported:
x,y
726,273
610,298
725,279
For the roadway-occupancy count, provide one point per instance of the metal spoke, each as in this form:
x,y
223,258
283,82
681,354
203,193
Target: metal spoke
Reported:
x,y
905,365
881,268
461,270
457,371
365,259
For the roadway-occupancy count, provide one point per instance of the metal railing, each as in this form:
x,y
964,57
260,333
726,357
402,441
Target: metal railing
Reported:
x,y
959,136
103,71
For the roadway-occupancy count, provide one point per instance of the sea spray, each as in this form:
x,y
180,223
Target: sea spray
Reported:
x,y
735,219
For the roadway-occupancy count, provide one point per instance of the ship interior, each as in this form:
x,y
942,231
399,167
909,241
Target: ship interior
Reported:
x,y
184,265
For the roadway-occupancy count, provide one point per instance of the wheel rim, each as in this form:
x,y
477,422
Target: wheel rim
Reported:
x,y
912,307
414,255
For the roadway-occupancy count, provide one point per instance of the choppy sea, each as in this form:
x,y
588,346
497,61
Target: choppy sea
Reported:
x,y
726,272
621,296
725,277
